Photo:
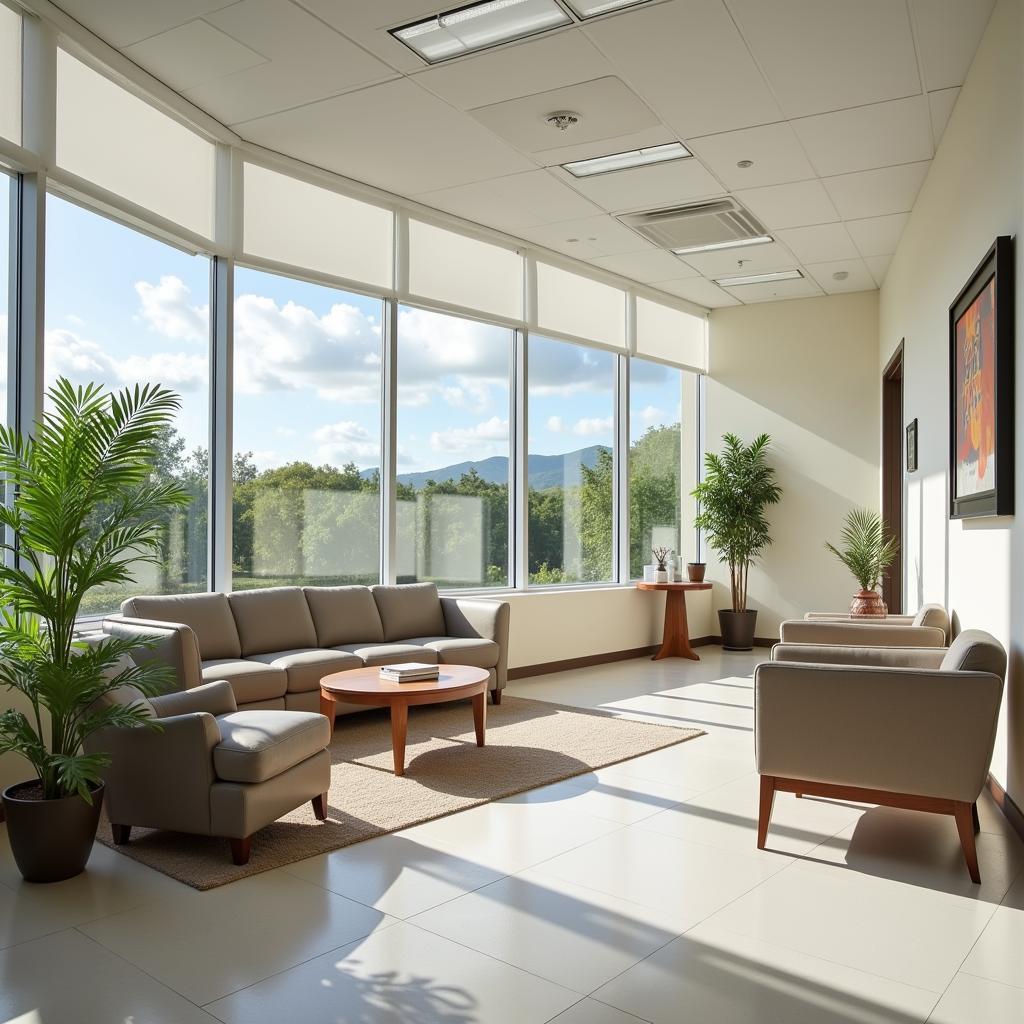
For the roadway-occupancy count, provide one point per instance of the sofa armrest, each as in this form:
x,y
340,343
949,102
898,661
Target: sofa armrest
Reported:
x,y
902,730
214,698
177,647
859,634
472,617
878,657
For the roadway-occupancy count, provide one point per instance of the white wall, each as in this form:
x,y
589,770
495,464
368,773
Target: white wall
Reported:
x,y
973,193
806,372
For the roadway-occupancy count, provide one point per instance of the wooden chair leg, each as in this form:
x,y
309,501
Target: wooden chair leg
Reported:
x,y
121,833
495,696
240,849
962,811
320,807
764,815
975,818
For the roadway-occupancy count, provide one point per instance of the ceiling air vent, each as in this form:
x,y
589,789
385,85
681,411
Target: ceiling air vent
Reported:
x,y
695,226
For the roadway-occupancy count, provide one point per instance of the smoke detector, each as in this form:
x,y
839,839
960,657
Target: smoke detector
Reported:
x,y
563,120
840,275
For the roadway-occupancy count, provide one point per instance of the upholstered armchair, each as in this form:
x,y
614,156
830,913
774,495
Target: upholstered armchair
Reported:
x,y
212,769
905,728
930,627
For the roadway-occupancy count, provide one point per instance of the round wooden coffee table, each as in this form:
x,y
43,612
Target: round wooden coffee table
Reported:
x,y
365,686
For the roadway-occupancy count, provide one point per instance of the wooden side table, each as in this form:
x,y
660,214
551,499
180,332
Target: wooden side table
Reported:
x,y
675,641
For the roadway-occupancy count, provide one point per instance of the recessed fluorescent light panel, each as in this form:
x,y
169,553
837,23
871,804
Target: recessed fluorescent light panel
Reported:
x,y
733,243
592,8
778,275
479,26
634,158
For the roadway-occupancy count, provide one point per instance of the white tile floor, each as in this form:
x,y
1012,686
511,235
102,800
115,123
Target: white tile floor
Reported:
x,y
633,893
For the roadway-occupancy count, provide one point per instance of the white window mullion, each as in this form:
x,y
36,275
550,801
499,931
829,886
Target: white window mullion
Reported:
x,y
620,474
389,445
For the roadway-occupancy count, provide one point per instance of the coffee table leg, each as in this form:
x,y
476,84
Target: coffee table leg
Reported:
x,y
399,725
327,709
480,717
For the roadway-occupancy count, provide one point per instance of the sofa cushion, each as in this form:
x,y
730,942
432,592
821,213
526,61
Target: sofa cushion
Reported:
x,y
387,654
207,615
458,650
344,615
250,680
259,745
307,666
974,650
412,609
273,619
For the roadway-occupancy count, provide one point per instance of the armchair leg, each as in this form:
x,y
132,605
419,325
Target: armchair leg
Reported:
x,y
240,849
320,807
495,696
121,833
764,815
976,819
962,811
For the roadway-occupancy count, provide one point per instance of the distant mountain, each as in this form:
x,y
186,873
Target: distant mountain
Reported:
x,y
544,470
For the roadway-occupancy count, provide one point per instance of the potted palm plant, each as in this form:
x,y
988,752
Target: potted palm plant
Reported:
x,y
83,510
737,488
867,551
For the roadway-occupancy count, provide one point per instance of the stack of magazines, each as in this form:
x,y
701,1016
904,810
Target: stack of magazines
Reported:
x,y
411,672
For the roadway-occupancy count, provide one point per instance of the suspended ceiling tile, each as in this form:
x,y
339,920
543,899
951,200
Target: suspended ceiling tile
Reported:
x,y
672,183
512,202
689,62
753,259
648,267
948,34
122,22
790,206
192,54
818,243
606,107
588,237
535,65
771,291
878,265
396,136
878,236
701,291
774,149
858,278
879,135
877,193
941,104
824,55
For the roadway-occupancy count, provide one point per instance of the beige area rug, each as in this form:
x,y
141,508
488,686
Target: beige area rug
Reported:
x,y
529,743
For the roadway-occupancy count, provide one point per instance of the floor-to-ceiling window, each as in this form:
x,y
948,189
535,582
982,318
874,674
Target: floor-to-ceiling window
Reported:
x,y
7,185
306,422
123,309
571,418
452,487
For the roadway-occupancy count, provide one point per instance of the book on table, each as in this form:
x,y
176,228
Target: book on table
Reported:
x,y
410,672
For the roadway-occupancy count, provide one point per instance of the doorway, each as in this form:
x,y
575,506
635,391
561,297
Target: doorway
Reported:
x,y
892,474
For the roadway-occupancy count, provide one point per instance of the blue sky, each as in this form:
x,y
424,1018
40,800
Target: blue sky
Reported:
x,y
122,307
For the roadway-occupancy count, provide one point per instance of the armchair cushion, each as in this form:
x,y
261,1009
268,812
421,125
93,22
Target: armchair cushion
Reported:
x,y
879,657
207,615
344,615
258,745
458,650
975,651
251,680
413,609
307,666
274,619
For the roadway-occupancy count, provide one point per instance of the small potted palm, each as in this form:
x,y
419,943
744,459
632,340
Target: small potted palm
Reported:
x,y
83,511
737,488
867,551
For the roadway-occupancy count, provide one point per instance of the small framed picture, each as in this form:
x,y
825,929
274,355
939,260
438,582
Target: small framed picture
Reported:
x,y
912,446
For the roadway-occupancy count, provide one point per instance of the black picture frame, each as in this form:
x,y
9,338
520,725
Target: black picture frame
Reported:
x,y
912,446
995,269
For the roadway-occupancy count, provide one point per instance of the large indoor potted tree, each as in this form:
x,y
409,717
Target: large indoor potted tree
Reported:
x,y
733,497
82,511
868,550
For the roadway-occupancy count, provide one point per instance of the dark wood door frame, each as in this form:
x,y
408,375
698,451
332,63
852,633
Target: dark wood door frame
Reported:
x,y
892,473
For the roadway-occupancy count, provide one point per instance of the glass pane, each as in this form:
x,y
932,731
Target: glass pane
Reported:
x,y
10,74
571,304
453,450
655,453
6,190
307,378
107,135
293,221
571,395
667,333
464,271
135,311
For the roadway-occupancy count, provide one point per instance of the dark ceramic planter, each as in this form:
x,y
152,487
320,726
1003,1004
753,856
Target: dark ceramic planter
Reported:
x,y
51,839
695,571
737,629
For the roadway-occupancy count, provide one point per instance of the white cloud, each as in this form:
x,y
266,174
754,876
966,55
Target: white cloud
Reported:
x,y
168,310
484,436
650,414
346,441
555,424
590,425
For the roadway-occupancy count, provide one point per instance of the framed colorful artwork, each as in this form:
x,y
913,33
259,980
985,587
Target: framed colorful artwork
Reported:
x,y
981,353
912,446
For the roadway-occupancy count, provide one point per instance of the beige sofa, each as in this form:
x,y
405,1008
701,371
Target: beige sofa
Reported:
x,y
908,728
275,645
930,627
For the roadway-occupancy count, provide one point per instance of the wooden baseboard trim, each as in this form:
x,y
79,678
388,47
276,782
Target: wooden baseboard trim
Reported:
x,y
1013,814
543,668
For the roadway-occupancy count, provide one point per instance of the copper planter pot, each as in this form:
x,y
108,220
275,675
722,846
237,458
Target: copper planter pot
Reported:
x,y
868,604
